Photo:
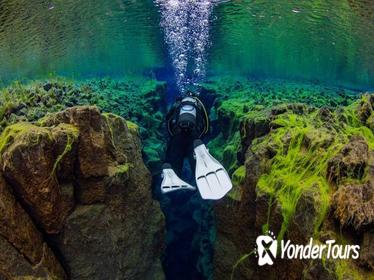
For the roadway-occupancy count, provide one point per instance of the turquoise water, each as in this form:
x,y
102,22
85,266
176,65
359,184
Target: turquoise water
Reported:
x,y
327,41
185,42
78,38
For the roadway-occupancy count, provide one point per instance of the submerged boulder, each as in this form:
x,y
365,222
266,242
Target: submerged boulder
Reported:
x,y
80,176
137,99
29,163
367,250
354,205
350,162
307,173
23,252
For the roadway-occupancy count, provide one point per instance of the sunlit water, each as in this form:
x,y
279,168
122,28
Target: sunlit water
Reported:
x,y
186,26
79,38
328,41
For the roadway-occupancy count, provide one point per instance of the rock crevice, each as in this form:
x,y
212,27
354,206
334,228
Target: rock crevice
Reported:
x,y
80,176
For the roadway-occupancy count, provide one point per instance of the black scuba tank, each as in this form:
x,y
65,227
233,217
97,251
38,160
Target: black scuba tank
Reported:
x,y
187,113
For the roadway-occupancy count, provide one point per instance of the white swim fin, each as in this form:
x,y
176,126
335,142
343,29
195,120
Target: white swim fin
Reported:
x,y
212,179
171,182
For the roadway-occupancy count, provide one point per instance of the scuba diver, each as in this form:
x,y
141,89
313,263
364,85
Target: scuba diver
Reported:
x,y
187,122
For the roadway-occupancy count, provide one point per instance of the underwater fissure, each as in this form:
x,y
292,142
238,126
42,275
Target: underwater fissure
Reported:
x,y
288,89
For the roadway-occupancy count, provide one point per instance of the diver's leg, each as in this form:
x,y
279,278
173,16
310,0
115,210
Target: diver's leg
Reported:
x,y
191,157
172,168
175,153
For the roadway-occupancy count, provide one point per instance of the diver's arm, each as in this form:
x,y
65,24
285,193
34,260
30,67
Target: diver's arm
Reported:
x,y
171,111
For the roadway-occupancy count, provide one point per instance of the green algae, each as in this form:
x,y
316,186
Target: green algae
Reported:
x,y
239,262
303,144
302,140
8,135
295,168
134,128
72,134
136,99
300,162
237,179
243,99
238,176
123,168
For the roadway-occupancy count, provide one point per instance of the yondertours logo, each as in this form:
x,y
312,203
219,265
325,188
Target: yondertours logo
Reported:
x,y
268,248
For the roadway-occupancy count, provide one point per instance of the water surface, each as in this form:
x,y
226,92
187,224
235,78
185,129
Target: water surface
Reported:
x,y
78,38
329,41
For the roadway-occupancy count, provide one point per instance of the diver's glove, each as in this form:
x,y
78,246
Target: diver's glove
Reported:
x,y
171,182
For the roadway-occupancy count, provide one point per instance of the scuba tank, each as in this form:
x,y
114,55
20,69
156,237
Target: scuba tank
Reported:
x,y
187,113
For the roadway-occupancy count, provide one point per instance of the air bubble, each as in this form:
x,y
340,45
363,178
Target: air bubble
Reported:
x,y
186,28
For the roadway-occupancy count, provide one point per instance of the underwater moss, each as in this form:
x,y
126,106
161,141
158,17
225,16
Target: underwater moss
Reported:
x,y
237,179
303,138
305,146
137,99
124,168
132,127
10,132
244,95
241,99
238,176
72,134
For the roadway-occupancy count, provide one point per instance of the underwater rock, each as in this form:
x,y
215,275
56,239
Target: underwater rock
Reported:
x,y
296,108
318,269
253,126
23,252
350,162
354,205
237,222
307,174
233,238
80,175
29,162
302,225
139,100
367,250
365,108
94,139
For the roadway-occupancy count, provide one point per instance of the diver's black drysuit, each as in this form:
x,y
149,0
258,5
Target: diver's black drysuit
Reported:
x,y
188,240
183,129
